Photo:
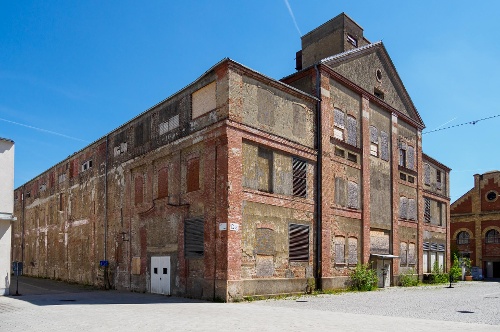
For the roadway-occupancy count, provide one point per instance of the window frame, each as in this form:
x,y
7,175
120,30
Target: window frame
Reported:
x,y
463,237
492,237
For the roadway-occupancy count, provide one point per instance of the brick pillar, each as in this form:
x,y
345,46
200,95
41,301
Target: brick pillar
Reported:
x,y
365,176
327,176
394,245
234,203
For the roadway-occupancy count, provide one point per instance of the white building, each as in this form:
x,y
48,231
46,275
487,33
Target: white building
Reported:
x,y
6,210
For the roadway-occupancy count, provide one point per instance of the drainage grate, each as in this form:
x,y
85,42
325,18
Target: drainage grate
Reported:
x,y
67,300
465,312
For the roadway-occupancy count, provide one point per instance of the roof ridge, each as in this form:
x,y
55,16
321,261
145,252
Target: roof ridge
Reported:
x,y
359,49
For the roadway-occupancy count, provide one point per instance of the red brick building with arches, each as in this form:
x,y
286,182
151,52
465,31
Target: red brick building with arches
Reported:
x,y
475,224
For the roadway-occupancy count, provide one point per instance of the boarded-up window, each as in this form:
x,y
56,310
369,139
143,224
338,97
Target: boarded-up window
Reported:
x,y
402,157
352,195
427,209
203,100
384,146
266,106
142,131
352,131
299,168
193,174
410,157
163,183
265,170
139,189
353,251
339,118
412,257
403,207
403,251
299,121
338,124
379,242
193,237
264,241
373,134
340,192
427,174
412,209
298,242
339,250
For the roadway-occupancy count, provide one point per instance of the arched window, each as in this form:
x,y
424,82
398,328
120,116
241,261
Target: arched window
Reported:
x,y
463,238
492,236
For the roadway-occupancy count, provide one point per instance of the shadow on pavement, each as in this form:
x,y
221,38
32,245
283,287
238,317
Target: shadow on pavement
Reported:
x,y
43,292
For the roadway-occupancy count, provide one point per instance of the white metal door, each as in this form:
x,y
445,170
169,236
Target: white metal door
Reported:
x,y
160,275
384,273
425,262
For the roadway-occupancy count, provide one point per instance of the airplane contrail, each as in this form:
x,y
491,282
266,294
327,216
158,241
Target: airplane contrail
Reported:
x,y
44,130
293,17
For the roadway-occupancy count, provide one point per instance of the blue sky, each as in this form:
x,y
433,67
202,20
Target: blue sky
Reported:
x,y
70,72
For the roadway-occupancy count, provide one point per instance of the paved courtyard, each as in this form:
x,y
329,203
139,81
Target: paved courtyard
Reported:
x,y
47,305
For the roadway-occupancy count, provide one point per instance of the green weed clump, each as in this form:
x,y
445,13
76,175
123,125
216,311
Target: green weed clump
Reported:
x,y
409,278
438,276
455,270
363,278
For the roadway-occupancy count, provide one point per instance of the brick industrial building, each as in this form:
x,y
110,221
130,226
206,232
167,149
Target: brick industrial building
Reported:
x,y
475,224
242,185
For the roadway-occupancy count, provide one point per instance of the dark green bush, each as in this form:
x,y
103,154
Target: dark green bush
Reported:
x,y
363,278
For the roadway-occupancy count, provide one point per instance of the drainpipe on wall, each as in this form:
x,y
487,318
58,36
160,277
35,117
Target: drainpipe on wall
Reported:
x,y
215,221
106,280
24,222
318,272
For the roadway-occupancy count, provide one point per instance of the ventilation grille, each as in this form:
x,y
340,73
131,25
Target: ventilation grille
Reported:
x,y
298,242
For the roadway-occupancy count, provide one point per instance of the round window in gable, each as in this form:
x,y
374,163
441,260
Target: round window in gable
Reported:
x,y
491,196
379,75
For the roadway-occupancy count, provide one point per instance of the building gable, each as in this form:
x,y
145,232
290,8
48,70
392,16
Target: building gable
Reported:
x,y
462,205
371,68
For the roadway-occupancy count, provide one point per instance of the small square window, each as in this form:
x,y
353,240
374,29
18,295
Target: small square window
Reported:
x,y
411,179
379,94
352,157
402,176
339,152
374,149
